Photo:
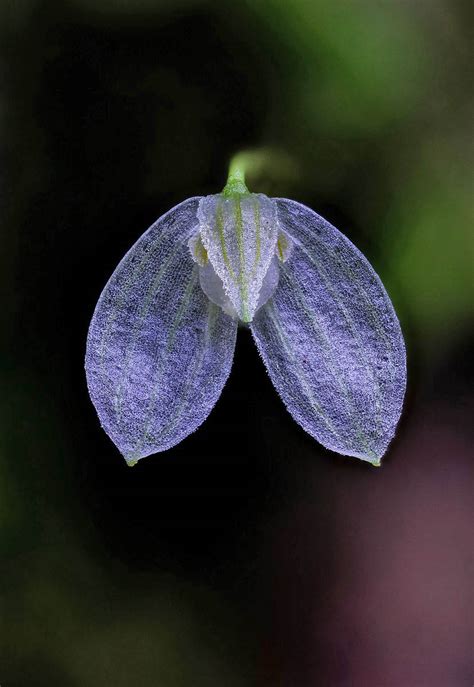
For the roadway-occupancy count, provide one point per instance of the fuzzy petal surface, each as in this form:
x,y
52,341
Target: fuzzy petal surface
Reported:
x,y
158,351
240,236
331,340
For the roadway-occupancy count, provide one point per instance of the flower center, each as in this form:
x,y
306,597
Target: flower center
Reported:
x,y
238,247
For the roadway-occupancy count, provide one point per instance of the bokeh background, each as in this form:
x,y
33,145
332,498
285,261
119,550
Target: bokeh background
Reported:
x,y
248,555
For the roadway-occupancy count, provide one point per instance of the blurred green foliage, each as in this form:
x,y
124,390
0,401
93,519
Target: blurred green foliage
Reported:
x,y
360,65
431,254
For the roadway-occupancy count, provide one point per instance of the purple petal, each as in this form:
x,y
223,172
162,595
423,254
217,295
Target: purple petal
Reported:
x,y
158,351
331,341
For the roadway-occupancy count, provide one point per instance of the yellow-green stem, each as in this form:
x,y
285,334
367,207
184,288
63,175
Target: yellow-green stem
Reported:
x,y
236,178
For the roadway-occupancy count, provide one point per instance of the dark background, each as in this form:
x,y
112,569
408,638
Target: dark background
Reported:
x,y
248,554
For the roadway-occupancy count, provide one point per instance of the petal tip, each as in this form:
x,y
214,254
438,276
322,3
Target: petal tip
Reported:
x,y
131,461
371,457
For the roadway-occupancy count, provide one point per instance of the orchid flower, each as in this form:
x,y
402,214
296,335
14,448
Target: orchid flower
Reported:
x,y
162,337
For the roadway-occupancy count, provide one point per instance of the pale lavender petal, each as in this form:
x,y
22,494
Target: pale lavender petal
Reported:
x,y
158,351
240,235
331,341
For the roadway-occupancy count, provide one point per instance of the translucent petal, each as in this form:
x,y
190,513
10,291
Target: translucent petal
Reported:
x,y
212,286
240,235
158,351
331,341
269,284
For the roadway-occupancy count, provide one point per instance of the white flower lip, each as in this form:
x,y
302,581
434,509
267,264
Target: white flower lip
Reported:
x,y
240,235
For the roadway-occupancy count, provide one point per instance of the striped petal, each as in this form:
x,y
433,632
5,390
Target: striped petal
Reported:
x,y
331,341
240,236
158,351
